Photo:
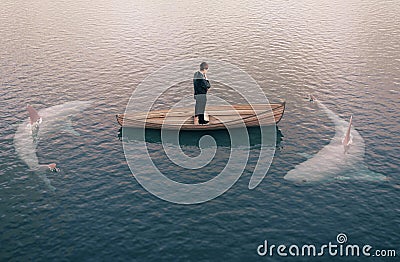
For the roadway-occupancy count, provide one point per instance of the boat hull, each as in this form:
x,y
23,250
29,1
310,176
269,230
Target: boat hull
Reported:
x,y
220,117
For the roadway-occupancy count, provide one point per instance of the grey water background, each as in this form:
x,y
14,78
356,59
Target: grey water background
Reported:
x,y
347,53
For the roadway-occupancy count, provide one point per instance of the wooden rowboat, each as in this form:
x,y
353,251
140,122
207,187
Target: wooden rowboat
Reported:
x,y
220,117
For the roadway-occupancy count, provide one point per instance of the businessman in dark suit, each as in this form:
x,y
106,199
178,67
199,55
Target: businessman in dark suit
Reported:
x,y
201,86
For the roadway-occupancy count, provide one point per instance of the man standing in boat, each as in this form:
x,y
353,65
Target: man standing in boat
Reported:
x,y
201,86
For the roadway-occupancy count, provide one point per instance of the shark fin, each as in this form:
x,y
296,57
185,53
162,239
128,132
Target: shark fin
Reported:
x,y
347,139
34,117
350,141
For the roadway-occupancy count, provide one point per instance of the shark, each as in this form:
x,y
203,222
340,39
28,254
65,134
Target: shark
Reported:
x,y
341,159
41,124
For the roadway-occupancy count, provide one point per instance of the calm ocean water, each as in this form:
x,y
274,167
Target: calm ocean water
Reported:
x,y
345,52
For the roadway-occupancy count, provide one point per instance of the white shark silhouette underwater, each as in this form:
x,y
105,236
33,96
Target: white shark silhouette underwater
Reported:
x,y
342,158
40,124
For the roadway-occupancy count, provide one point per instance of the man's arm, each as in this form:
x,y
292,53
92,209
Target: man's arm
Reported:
x,y
206,84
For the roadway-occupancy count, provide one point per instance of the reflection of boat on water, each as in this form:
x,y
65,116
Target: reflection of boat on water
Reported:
x,y
191,138
220,117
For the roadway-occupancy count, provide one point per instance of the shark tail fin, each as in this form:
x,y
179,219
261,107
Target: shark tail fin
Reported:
x,y
53,167
34,117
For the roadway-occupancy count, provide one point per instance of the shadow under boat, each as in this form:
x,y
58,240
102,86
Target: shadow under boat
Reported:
x,y
272,136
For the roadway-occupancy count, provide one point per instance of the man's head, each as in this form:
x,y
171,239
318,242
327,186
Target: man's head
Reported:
x,y
203,66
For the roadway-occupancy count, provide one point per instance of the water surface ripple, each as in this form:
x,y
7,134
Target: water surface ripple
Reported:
x,y
51,52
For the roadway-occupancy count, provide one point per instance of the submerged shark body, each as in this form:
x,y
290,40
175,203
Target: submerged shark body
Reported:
x,y
41,124
342,158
